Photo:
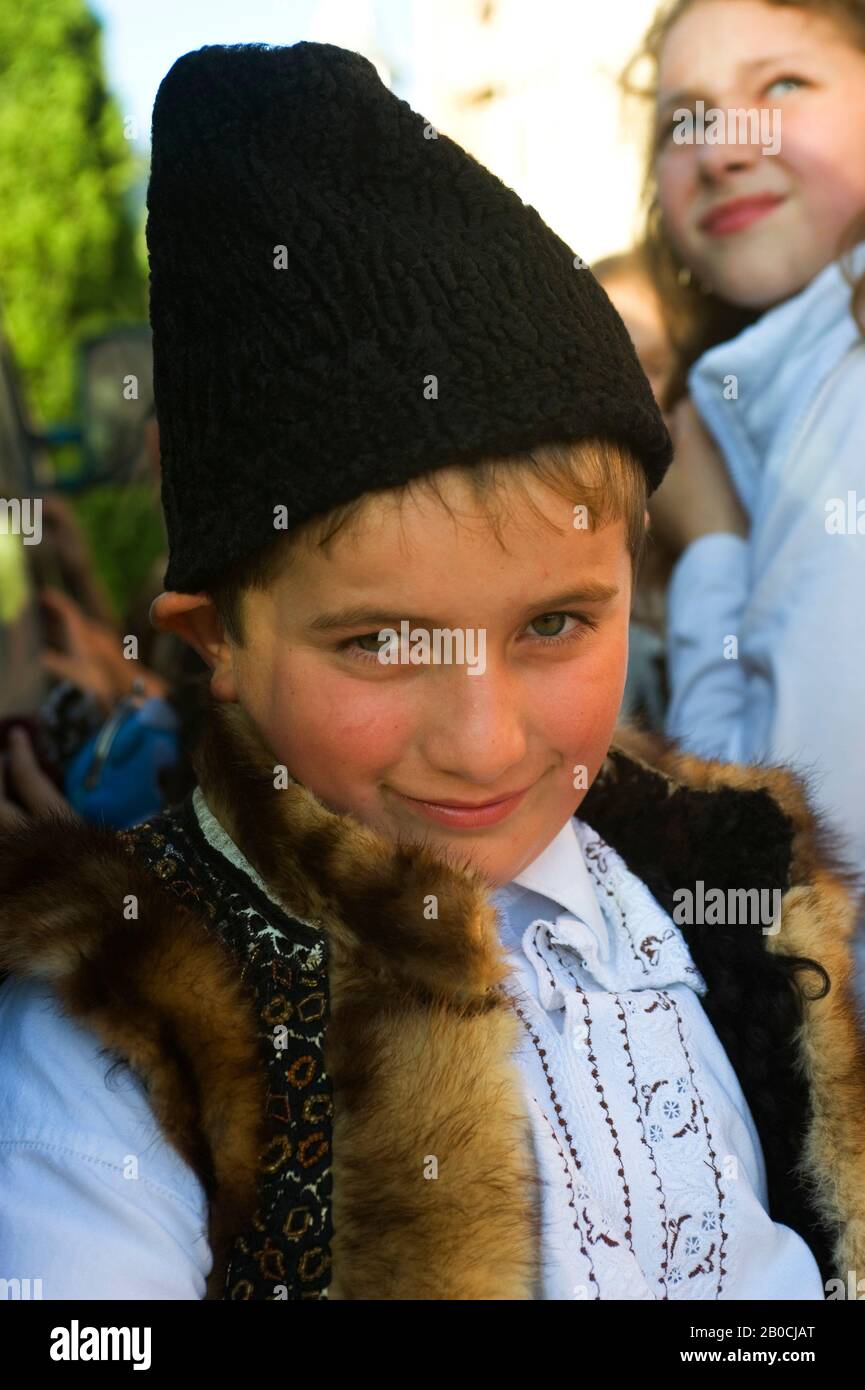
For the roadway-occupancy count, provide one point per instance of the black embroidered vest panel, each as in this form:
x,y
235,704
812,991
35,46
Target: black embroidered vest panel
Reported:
x,y
285,1251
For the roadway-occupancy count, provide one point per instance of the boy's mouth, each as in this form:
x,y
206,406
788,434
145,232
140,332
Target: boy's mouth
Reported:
x,y
466,815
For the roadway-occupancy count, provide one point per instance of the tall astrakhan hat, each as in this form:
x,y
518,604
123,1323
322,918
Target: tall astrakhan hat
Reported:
x,y
342,299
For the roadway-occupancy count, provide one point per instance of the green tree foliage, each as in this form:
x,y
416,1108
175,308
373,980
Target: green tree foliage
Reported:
x,y
69,262
72,257
126,534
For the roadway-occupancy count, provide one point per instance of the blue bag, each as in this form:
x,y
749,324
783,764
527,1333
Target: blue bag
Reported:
x,y
114,778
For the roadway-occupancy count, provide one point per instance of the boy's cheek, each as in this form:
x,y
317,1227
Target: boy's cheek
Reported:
x,y
329,744
595,716
588,751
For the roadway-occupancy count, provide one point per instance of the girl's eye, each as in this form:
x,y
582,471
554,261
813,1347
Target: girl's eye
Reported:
x,y
582,623
783,81
664,131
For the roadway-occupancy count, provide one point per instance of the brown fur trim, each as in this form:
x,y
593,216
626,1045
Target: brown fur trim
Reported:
x,y
814,848
156,988
419,1043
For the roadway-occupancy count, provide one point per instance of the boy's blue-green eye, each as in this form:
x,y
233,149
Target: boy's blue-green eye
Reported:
x,y
583,622
545,617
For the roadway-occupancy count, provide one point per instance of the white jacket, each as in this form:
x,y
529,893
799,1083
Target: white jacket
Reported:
x,y
793,594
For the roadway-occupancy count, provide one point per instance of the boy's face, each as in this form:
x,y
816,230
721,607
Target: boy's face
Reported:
x,y
375,739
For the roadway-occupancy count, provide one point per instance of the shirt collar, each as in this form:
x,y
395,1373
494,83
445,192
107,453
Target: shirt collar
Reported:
x,y
559,873
760,384
219,839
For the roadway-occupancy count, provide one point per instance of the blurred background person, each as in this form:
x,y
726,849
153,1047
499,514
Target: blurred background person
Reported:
x,y
627,279
756,245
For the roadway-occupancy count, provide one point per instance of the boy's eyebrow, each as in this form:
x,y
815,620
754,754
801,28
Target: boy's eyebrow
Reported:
x,y
686,95
376,618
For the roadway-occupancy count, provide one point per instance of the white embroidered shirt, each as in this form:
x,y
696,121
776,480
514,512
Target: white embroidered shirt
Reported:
x,y
654,1183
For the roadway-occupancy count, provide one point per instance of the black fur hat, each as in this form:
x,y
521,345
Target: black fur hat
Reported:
x,y
342,299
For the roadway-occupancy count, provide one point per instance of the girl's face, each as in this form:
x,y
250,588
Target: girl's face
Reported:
x,y
803,71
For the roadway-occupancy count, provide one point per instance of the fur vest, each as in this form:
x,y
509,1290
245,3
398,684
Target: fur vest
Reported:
x,y
308,1086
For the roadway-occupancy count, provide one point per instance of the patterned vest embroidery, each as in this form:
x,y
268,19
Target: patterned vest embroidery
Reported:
x,y
285,1250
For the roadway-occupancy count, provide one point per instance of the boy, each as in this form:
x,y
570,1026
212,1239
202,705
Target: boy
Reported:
x,y
397,1024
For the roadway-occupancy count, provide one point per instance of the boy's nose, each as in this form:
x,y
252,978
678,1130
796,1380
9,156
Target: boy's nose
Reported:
x,y
475,730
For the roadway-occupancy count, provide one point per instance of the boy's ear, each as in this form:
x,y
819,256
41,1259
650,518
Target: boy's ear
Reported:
x,y
193,617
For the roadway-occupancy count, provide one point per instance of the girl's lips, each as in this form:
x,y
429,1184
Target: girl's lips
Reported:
x,y
465,818
742,212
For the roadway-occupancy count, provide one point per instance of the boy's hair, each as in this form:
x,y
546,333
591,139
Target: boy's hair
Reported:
x,y
604,477
696,318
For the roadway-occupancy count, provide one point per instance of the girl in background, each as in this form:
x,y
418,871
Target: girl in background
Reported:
x,y
759,260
